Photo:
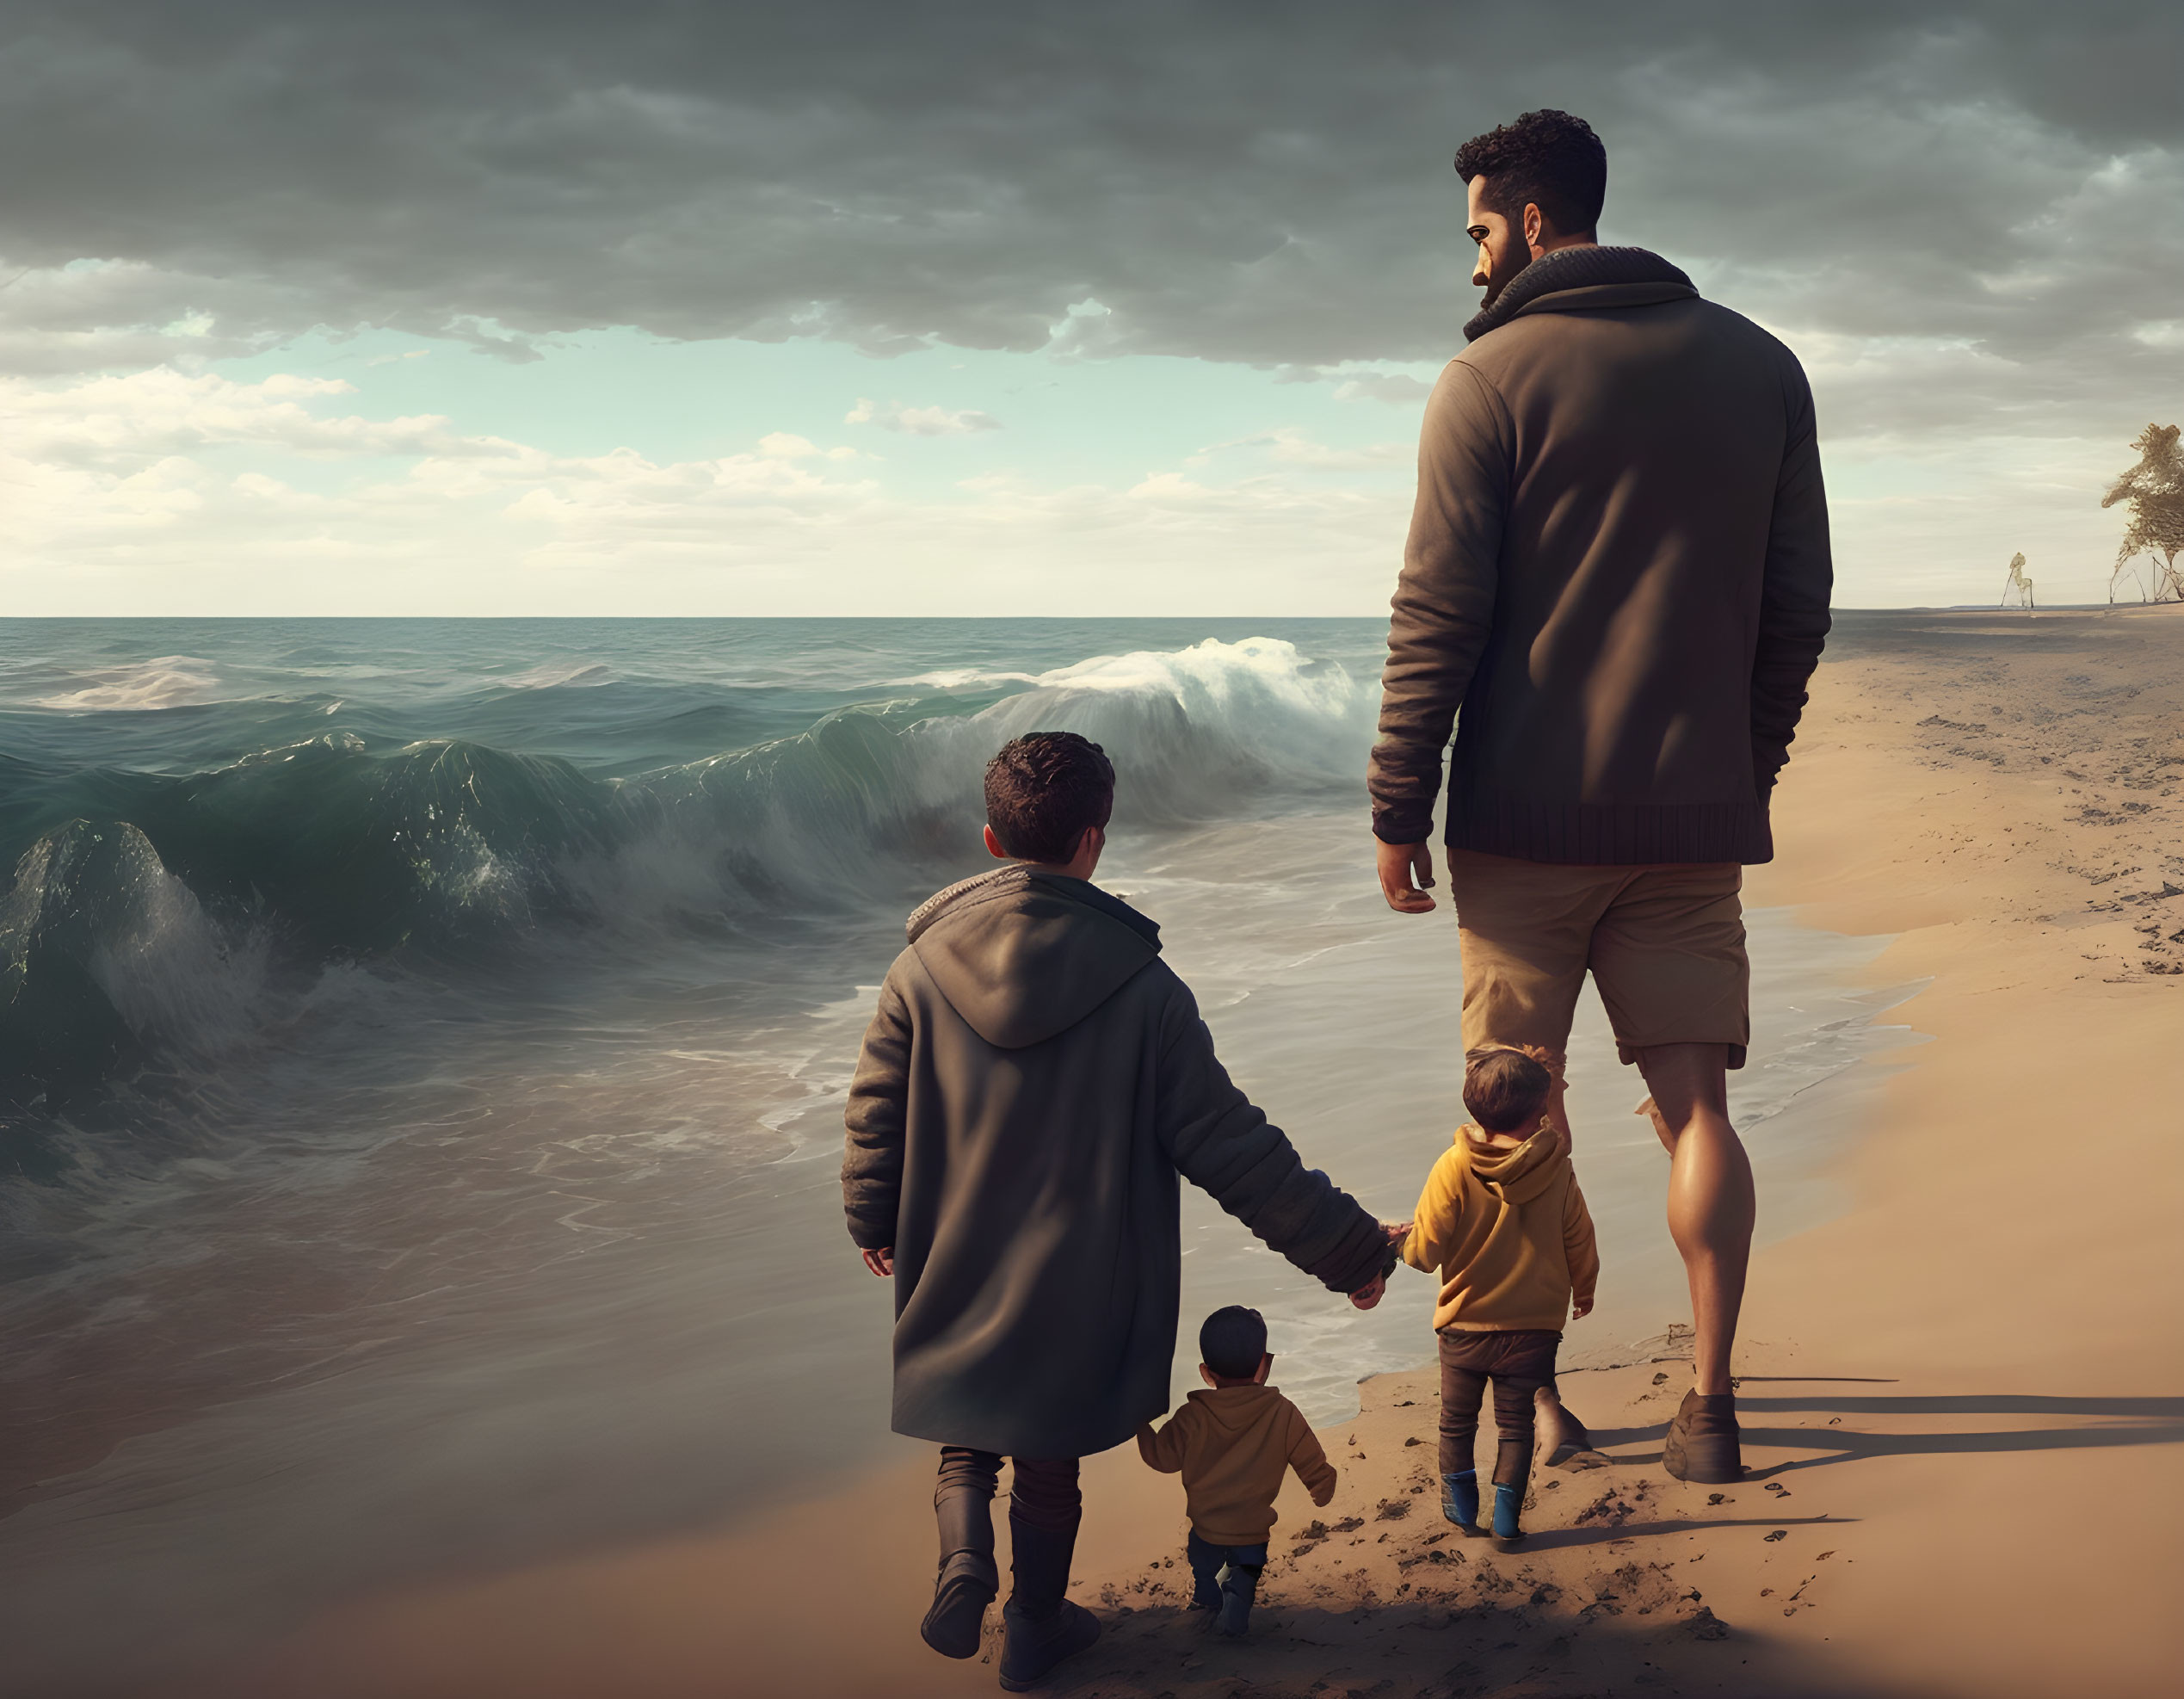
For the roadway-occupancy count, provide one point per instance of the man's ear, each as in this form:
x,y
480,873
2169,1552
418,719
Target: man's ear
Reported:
x,y
1265,1368
1535,228
1207,1375
993,846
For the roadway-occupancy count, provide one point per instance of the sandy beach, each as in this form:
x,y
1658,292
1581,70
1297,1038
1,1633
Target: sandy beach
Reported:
x,y
1963,1396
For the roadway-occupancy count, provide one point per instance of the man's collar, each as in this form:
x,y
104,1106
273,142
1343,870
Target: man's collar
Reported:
x,y
1608,277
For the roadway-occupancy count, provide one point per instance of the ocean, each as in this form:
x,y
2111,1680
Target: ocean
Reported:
x,y
423,1045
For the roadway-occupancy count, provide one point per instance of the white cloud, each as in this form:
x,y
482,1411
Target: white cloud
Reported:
x,y
115,494
920,420
1288,445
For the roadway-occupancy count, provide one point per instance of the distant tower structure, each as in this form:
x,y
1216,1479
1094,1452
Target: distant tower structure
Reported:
x,y
2019,585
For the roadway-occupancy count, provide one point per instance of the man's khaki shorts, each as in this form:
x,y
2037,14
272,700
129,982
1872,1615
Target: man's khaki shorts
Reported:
x,y
1665,945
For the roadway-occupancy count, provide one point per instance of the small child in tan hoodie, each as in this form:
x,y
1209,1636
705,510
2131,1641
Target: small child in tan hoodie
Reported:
x,y
1502,1222
1231,1445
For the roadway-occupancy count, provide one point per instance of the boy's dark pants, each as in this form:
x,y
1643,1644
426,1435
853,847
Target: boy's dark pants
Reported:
x,y
1044,1510
1519,1362
1231,1597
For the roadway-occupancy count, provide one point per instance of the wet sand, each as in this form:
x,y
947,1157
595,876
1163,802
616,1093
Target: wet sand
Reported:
x,y
1964,1395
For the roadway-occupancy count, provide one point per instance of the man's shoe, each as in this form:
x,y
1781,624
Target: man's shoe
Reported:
x,y
957,1621
1562,1436
1035,1645
1703,1445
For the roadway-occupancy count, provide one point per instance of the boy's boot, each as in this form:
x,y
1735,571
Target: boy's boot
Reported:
x,y
968,1579
1460,1501
1562,1436
1044,1626
1508,1514
1703,1444
1511,1474
1238,1589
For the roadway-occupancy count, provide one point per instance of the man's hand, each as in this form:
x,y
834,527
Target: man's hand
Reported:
x,y
1367,1296
881,1262
1401,864
1582,1308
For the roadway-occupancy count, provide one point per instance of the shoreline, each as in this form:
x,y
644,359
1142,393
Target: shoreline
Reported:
x,y
1961,1393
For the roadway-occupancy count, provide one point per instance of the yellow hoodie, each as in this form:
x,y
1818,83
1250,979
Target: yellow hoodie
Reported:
x,y
1231,1445
1507,1232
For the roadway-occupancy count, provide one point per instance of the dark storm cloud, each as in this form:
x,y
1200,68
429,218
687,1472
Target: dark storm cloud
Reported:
x,y
1253,182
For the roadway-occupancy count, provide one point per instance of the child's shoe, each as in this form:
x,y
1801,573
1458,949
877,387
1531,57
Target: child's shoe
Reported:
x,y
1460,1501
1508,1508
1238,1589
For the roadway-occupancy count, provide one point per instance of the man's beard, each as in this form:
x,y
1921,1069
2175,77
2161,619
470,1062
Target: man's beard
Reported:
x,y
1499,280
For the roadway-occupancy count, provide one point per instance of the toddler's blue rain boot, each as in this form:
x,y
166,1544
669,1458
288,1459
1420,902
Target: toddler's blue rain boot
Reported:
x,y
1509,1509
1459,1501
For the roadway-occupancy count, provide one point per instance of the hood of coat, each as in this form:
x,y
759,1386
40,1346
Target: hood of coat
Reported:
x,y
1232,1410
1023,954
1516,1176
1576,280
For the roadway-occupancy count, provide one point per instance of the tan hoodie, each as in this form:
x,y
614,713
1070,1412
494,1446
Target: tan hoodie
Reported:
x,y
1507,1232
1231,1445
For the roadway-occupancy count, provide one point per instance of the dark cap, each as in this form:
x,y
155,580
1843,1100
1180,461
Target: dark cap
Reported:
x,y
1232,1342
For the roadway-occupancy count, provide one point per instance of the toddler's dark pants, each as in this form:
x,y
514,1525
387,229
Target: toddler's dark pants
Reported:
x,y
1044,1507
1236,1593
1518,1364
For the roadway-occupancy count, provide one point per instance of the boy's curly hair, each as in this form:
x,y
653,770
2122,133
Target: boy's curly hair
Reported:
x,y
1505,1088
1043,790
1546,158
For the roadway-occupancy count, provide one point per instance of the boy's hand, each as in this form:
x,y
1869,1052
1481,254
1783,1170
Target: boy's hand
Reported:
x,y
1580,1308
881,1262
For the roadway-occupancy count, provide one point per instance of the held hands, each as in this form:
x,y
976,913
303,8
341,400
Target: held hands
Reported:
x,y
1367,1295
1406,874
881,1262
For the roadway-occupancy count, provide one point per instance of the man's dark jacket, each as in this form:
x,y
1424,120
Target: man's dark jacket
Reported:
x,y
1034,1081
1618,568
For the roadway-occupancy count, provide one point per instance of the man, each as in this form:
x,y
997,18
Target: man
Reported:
x,y
1034,1083
1618,571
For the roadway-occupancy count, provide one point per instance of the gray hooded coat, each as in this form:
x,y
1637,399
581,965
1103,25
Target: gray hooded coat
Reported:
x,y
1033,1083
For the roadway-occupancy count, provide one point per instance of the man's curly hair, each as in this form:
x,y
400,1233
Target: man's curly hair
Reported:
x,y
1546,158
1043,790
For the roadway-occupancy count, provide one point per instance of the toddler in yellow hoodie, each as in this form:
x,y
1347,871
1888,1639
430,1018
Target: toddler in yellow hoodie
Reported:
x,y
1503,1223
1233,1444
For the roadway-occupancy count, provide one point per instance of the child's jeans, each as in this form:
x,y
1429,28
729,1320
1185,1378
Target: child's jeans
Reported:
x,y
1233,1597
1519,1362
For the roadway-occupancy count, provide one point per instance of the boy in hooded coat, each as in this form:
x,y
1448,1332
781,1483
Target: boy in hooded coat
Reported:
x,y
1034,1083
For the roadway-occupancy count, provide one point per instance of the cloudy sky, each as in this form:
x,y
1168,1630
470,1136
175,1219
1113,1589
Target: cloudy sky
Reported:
x,y
1015,308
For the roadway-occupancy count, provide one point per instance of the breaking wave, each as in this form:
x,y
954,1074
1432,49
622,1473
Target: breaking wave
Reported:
x,y
149,916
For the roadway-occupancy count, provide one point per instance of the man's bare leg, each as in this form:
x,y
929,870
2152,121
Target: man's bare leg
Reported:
x,y
1562,1436
1711,1203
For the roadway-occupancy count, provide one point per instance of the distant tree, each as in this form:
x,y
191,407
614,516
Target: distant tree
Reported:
x,y
2154,491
